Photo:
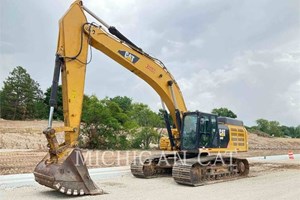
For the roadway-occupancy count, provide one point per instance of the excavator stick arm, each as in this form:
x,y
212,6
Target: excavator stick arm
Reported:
x,y
63,168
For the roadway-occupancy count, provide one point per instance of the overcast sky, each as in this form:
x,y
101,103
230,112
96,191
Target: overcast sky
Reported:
x,y
243,55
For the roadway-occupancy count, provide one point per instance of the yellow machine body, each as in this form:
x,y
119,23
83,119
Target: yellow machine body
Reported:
x,y
63,168
238,141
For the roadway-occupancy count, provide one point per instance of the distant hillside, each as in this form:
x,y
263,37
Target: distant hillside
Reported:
x,y
28,135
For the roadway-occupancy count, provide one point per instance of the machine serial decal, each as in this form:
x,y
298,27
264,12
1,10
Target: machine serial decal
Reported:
x,y
150,68
129,56
222,133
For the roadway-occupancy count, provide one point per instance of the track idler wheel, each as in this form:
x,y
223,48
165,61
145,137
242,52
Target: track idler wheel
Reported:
x,y
243,167
68,174
149,169
196,174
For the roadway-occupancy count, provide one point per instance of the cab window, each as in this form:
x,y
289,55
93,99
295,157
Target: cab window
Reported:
x,y
208,130
189,136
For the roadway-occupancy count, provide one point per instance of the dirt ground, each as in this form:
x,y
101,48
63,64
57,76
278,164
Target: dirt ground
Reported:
x,y
276,186
24,134
22,146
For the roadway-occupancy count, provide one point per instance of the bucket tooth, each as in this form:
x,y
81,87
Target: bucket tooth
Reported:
x,y
69,192
62,190
75,193
68,174
81,192
57,186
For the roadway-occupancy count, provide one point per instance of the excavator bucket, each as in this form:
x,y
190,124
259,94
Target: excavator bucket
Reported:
x,y
69,174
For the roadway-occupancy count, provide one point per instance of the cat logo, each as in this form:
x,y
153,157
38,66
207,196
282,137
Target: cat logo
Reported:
x,y
129,56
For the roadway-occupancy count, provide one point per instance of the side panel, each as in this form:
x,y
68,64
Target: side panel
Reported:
x,y
235,139
238,138
224,135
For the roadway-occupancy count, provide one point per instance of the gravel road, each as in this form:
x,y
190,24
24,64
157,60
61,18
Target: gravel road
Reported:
x,y
274,185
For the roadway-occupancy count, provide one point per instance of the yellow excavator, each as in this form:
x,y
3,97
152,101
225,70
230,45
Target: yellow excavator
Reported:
x,y
193,136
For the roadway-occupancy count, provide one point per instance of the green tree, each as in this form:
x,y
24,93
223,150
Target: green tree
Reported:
x,y
223,112
144,136
116,110
117,123
297,132
270,127
123,102
21,96
161,115
293,132
103,124
147,121
263,125
275,129
41,111
58,113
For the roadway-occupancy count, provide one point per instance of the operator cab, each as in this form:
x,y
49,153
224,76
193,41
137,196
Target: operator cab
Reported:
x,y
199,130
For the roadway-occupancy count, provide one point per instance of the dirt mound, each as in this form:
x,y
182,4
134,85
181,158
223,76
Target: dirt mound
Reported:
x,y
28,135
266,143
262,134
16,136
23,134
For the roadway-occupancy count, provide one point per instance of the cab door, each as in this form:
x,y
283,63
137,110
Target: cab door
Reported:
x,y
208,127
189,135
